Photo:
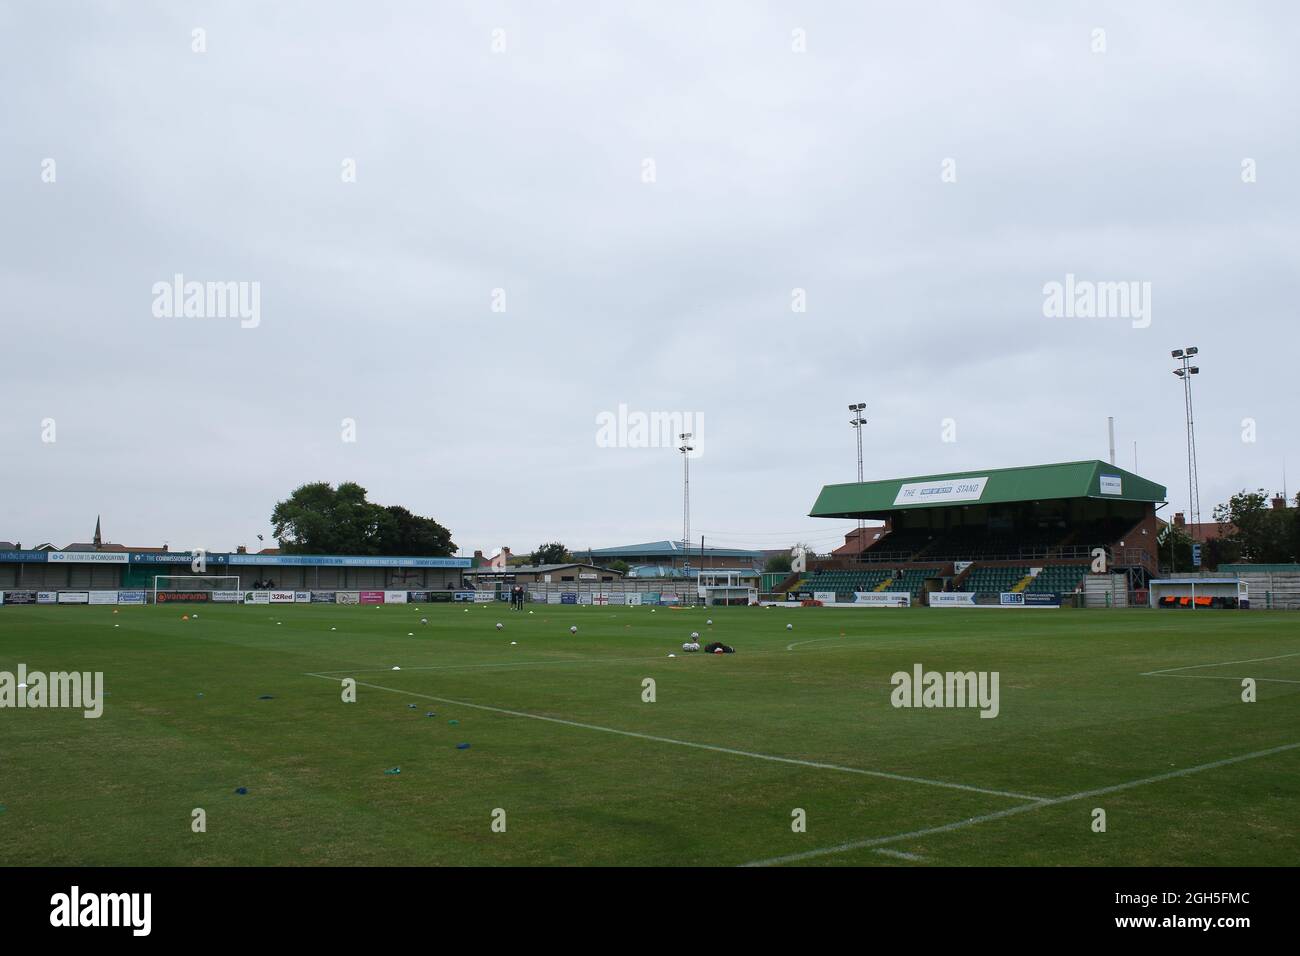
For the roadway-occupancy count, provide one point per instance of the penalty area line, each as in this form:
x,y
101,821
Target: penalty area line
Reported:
x,y
1192,667
1271,680
772,758
1012,811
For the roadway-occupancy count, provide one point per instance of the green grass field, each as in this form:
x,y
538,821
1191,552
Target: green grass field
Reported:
x,y
690,779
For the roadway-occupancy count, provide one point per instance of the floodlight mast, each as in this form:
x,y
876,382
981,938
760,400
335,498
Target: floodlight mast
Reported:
x,y
1185,371
857,421
686,448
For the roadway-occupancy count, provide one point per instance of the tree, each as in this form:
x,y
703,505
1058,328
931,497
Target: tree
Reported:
x,y
620,566
318,518
1176,547
553,553
404,533
1260,533
778,563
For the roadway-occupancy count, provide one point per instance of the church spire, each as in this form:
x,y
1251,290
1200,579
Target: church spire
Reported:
x,y
98,542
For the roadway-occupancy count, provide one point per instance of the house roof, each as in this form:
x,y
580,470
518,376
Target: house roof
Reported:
x,y
537,568
1072,479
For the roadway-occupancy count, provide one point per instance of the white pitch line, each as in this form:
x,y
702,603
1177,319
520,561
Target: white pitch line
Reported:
x,y
1012,811
901,778
816,640
1191,667
1271,680
448,667
883,851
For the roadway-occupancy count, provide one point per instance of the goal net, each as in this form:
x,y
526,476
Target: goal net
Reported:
x,y
194,588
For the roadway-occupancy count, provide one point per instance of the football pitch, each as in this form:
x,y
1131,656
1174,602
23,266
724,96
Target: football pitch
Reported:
x,y
1136,713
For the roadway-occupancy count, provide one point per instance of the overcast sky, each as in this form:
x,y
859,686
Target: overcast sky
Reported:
x,y
649,184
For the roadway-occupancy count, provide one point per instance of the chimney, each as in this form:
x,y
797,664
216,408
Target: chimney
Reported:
x,y
1179,520
242,549
505,553
1279,501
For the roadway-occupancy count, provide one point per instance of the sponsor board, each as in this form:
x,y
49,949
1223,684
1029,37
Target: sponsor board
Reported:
x,y
103,597
417,596
347,597
301,597
132,597
2,597
344,561
87,557
553,597
568,597
1111,485
633,600
439,597
174,557
74,597
650,597
322,597
1042,600
47,597
281,597
1011,599
883,598
952,599
20,597
394,597
483,597
371,597
23,557
182,597
585,598
947,489
258,597
227,597
462,595
826,597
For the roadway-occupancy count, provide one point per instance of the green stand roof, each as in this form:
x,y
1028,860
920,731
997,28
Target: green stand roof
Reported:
x,y
1073,479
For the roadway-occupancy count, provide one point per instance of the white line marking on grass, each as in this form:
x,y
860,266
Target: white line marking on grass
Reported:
x,y
1271,680
897,853
818,640
1012,811
901,778
448,667
1190,667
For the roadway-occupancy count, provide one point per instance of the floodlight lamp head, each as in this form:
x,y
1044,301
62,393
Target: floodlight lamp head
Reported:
x,y
1177,353
1178,372
1192,350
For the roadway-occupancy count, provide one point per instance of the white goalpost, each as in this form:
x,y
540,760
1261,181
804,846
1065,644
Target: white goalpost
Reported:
x,y
182,583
